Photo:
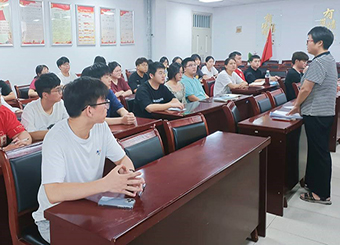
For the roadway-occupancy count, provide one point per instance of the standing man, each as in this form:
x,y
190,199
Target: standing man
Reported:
x,y
237,56
316,102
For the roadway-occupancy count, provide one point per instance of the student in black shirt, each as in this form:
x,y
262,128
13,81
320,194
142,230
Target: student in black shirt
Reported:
x,y
294,74
139,77
153,95
6,91
253,73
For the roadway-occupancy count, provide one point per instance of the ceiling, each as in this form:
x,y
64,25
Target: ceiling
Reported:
x,y
222,3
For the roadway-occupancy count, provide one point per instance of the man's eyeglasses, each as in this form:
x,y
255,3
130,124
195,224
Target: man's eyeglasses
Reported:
x,y
57,89
106,103
309,40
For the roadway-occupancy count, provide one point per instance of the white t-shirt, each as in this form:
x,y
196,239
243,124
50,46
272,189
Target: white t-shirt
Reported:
x,y
222,81
67,158
4,103
211,73
34,118
66,80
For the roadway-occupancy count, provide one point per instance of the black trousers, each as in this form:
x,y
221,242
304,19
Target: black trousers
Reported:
x,y
319,162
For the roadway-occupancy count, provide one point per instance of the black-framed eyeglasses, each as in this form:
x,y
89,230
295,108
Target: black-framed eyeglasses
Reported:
x,y
106,103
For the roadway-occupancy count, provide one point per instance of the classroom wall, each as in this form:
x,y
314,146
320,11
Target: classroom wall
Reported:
x,y
18,63
297,20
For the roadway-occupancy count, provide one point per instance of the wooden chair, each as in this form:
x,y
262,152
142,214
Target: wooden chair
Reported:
x,y
282,84
232,115
128,102
296,87
22,91
260,103
22,175
128,73
277,97
207,83
184,131
8,83
144,147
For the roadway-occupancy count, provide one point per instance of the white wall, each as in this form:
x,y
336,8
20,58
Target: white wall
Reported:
x,y
297,20
17,63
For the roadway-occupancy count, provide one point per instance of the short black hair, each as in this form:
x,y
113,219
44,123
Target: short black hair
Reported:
x,y
321,33
255,56
62,60
163,59
39,69
186,60
173,69
82,92
97,70
208,58
46,82
176,58
299,56
113,65
233,54
99,59
226,62
141,60
153,67
196,56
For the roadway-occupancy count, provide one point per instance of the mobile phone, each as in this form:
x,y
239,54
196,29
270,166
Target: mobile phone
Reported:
x,y
127,203
49,127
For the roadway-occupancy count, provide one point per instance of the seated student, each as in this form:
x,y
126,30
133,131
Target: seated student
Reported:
x,y
118,85
39,70
294,74
116,113
153,95
237,56
209,70
197,60
41,114
74,153
228,79
6,91
174,84
193,88
65,75
10,127
164,60
139,76
99,59
177,59
253,73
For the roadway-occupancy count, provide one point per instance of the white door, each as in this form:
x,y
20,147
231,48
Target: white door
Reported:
x,y
201,35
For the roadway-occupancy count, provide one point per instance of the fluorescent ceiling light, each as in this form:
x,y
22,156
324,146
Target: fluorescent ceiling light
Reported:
x,y
210,1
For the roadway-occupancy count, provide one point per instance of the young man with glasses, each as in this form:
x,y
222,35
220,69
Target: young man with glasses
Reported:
x,y
65,74
193,87
74,152
41,114
140,76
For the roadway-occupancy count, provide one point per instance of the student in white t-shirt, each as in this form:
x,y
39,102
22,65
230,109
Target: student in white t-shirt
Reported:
x,y
74,152
228,79
209,70
41,114
65,75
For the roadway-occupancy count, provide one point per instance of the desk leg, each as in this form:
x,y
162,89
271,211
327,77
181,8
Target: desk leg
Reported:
x,y
261,228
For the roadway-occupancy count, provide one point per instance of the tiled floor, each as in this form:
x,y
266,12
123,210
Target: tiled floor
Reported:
x,y
305,223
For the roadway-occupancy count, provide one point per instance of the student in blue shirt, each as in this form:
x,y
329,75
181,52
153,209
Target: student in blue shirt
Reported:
x,y
116,114
193,88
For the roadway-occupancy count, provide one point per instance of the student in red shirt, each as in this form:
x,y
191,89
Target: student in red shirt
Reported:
x,y
11,128
237,56
39,70
118,85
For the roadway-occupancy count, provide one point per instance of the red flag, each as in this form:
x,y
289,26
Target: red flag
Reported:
x,y
2,16
268,48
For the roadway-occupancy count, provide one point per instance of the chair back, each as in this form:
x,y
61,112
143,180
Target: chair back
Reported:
x,y
22,91
185,131
282,84
260,103
296,88
277,97
22,175
212,90
233,116
8,83
128,73
128,101
144,147
207,83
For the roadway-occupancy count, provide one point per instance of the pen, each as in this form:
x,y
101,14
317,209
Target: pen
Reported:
x,y
141,192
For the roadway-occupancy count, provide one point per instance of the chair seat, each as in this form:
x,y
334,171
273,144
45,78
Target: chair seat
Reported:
x,y
32,236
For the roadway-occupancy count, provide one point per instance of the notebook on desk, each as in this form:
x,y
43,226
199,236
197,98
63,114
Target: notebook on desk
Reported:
x,y
283,115
254,84
226,97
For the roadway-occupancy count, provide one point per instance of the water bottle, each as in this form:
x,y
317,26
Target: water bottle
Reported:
x,y
266,78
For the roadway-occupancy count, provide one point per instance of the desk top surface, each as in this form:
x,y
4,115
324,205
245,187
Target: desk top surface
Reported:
x,y
169,181
254,89
119,128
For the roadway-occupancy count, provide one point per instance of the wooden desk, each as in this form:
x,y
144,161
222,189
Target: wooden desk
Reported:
x,y
335,133
200,194
121,131
283,154
255,90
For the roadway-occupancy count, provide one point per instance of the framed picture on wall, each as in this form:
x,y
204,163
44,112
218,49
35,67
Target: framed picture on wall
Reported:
x,y
86,28
32,23
108,26
6,36
126,27
60,24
